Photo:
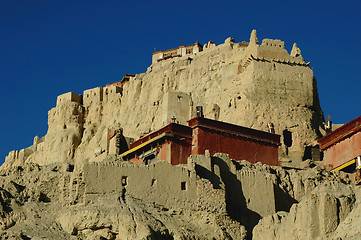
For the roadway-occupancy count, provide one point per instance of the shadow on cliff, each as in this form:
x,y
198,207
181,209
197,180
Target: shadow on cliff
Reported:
x,y
318,118
221,177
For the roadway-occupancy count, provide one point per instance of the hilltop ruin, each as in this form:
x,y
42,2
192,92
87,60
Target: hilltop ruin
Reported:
x,y
246,84
142,158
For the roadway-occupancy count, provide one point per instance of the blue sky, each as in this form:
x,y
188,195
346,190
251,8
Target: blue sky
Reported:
x,y
55,46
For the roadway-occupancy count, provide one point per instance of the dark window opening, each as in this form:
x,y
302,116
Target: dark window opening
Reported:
x,y
308,153
70,168
183,186
287,138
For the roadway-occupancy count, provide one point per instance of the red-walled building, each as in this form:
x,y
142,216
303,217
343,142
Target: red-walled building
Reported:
x,y
121,83
171,143
175,143
240,143
342,146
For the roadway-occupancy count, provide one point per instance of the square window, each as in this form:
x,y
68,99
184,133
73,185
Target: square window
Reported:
x,y
183,186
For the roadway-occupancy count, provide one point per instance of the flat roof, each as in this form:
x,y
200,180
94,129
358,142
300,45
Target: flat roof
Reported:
x,y
340,134
249,133
173,128
125,77
134,149
181,46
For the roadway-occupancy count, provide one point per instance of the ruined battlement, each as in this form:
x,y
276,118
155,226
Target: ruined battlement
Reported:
x,y
176,52
69,97
23,154
94,95
161,183
125,79
273,43
272,50
224,148
247,84
182,185
110,92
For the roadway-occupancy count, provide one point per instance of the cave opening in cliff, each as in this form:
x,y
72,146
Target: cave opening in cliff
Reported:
x,y
287,138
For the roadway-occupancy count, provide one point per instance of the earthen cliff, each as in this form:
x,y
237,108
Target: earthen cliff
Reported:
x,y
73,183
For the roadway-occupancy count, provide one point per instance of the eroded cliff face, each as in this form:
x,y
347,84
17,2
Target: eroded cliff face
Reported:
x,y
71,184
213,197
319,215
247,84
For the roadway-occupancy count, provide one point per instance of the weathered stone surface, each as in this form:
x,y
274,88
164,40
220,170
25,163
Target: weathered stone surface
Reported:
x,y
228,200
316,216
245,84
71,184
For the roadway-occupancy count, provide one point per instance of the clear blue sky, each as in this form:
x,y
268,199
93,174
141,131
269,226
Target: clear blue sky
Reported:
x,y
49,47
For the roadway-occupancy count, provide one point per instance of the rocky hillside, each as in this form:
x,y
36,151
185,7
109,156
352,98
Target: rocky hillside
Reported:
x,y
236,200
70,184
241,83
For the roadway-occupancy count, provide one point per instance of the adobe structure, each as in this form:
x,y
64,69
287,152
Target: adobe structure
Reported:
x,y
121,83
171,144
245,84
175,143
176,52
199,176
342,148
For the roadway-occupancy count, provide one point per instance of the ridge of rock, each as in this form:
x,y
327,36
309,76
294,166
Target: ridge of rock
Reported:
x,y
73,184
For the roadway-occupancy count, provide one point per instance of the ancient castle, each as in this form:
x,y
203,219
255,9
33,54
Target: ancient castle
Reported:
x,y
185,133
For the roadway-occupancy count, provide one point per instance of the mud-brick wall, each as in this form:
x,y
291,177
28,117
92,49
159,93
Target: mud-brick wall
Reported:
x,y
161,183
